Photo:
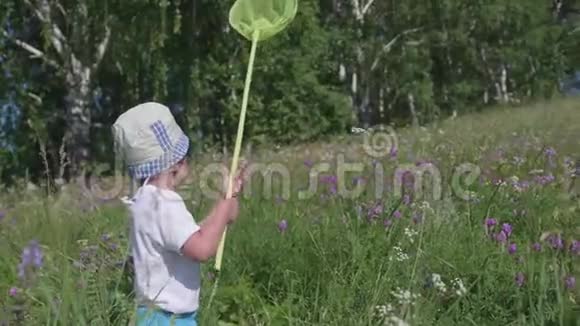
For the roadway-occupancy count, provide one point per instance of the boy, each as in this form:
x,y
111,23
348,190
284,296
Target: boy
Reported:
x,y
167,244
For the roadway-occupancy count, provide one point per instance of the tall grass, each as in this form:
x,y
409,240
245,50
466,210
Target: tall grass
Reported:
x,y
342,261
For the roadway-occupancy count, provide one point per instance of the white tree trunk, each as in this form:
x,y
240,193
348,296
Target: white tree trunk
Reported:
x,y
78,74
78,81
415,119
504,89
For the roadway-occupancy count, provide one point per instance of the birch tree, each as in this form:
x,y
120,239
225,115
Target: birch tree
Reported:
x,y
373,37
77,37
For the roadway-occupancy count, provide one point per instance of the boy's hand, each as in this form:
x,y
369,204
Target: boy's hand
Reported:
x,y
238,182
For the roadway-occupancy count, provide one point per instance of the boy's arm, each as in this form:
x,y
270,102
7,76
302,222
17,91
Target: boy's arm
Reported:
x,y
202,245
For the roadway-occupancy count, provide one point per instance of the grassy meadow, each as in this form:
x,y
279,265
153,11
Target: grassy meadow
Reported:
x,y
497,246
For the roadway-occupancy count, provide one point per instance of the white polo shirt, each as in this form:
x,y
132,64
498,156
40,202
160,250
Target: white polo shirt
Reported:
x,y
160,226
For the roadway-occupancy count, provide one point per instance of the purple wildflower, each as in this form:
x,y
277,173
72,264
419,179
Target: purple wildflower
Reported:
x,y
409,180
570,282
283,225
501,237
397,214
520,279
521,186
308,163
512,248
556,241
544,179
31,258
507,229
36,253
333,189
406,200
537,247
375,211
550,152
393,152
13,291
575,247
106,237
490,222
388,223
331,179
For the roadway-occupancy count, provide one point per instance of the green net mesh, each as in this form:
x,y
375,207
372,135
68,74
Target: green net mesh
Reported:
x,y
268,17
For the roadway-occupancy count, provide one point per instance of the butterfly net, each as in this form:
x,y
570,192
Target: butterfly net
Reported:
x,y
267,17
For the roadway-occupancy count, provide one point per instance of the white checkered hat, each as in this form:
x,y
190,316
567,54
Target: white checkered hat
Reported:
x,y
149,139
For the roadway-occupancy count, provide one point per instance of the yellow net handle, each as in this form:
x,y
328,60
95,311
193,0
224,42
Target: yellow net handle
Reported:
x,y
241,123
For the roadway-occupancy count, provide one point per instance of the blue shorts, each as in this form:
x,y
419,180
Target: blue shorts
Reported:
x,y
154,317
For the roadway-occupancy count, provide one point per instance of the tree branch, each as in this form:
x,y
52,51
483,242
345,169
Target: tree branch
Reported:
x,y
35,97
387,47
367,7
43,13
356,7
35,53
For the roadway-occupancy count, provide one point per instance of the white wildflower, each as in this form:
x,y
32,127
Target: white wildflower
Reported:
x,y
384,310
405,297
410,233
399,254
381,311
460,290
387,314
438,283
518,161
